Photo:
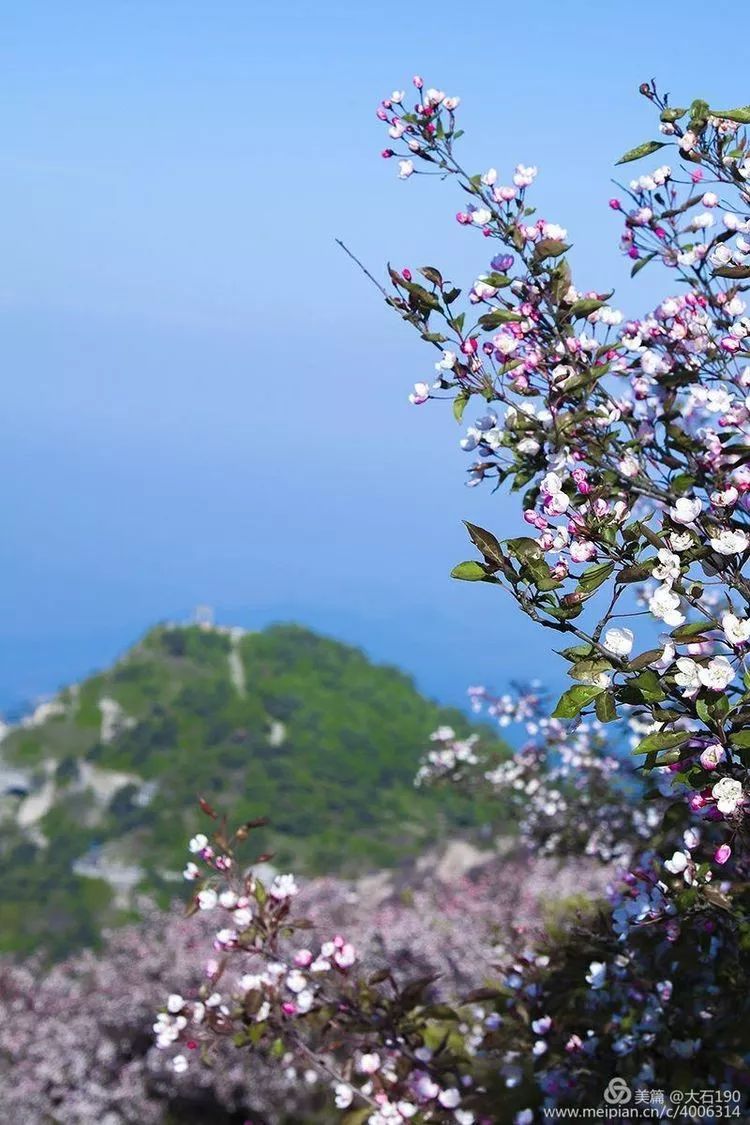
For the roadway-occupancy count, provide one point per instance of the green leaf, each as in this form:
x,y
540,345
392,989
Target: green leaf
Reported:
x,y
550,248
469,572
606,710
702,710
572,701
642,262
589,669
741,114
459,404
434,276
645,658
497,317
357,1116
638,573
593,578
649,686
498,280
662,740
738,272
525,549
641,151
586,306
693,629
671,114
487,544
577,652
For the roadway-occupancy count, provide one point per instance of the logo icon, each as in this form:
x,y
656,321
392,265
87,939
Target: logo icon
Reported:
x,y
618,1092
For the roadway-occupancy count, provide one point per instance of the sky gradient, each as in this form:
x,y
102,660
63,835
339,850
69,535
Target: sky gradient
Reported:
x,y
204,401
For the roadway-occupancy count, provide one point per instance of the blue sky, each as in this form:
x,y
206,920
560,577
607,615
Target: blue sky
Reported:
x,y
204,401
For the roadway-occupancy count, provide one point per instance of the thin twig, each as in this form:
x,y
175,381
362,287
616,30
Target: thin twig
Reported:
x,y
364,268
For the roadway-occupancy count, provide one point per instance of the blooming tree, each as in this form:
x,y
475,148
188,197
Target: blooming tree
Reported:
x,y
627,442
76,1039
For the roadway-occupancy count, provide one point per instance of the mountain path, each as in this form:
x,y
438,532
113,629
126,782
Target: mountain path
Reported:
x,y
236,667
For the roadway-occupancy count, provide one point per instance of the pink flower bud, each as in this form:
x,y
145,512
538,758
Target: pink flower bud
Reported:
x,y
722,854
615,204
418,81
387,153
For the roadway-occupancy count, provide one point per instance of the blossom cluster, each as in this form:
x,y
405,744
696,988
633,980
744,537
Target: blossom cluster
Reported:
x,y
628,440
566,791
629,436
269,993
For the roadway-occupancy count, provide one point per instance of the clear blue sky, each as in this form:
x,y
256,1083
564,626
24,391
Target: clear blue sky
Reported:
x,y
203,401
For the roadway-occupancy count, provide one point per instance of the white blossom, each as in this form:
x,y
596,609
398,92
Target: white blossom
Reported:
x,y
619,641
736,630
685,510
728,794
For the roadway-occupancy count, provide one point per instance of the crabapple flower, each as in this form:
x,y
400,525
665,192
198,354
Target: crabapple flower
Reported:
x,y
370,1063
596,977
712,756
665,605
283,887
687,676
730,542
678,864
344,1095
420,394
668,566
728,794
524,176
619,641
449,1098
717,674
736,630
405,169
685,510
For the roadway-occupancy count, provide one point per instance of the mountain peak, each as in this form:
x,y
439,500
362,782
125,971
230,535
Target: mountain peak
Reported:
x,y
101,782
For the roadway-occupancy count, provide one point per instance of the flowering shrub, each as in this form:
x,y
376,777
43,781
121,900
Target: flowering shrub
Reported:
x,y
627,443
569,794
76,1041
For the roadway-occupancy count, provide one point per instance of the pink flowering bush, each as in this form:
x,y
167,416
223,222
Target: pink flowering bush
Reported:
x,y
627,441
77,1044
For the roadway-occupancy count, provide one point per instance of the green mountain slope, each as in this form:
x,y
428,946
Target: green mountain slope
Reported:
x,y
101,784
